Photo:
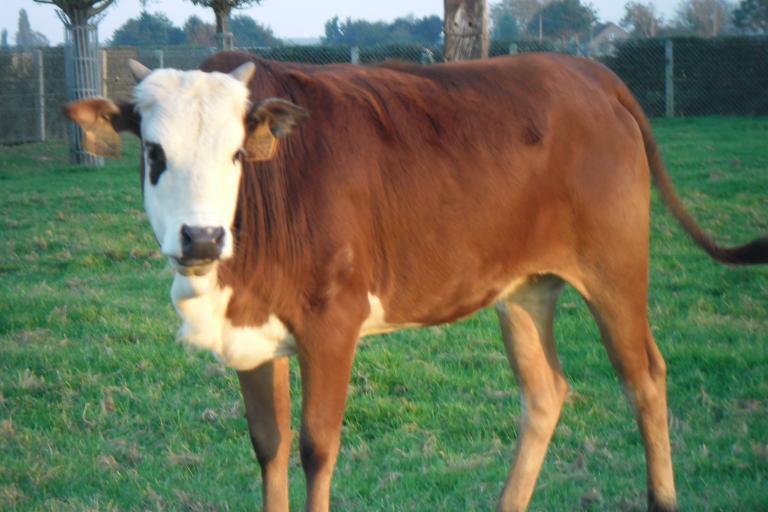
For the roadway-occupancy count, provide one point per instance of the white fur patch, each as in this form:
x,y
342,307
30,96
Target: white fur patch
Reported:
x,y
376,322
202,305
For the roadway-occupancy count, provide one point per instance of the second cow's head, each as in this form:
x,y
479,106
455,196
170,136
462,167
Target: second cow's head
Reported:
x,y
197,129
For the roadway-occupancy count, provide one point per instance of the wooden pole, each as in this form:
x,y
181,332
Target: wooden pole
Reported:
x,y
466,29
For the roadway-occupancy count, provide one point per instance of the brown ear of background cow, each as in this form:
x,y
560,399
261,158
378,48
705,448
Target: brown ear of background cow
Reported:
x,y
93,115
101,120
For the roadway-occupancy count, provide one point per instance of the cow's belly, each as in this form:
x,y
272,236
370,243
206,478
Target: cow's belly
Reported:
x,y
439,311
377,322
202,305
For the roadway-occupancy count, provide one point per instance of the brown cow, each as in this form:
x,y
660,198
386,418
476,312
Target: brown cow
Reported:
x,y
412,196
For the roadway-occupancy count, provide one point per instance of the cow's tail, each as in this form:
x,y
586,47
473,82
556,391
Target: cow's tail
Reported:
x,y
754,252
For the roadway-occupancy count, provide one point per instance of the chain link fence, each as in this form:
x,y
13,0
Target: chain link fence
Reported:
x,y
695,77
32,91
677,77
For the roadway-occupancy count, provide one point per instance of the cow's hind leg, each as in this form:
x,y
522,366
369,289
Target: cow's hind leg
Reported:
x,y
266,392
526,318
619,307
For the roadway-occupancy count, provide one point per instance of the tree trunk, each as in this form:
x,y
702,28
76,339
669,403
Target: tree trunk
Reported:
x,y
224,38
466,29
82,76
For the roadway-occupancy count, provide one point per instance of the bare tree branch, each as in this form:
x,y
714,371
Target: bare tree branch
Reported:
x,y
79,11
101,8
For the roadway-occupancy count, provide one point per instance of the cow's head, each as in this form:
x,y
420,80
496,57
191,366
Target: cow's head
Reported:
x,y
197,129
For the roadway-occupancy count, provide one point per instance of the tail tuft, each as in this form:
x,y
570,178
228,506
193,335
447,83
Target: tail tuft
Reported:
x,y
753,253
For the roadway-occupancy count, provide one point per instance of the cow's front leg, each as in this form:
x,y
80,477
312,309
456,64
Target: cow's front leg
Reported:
x,y
266,392
325,369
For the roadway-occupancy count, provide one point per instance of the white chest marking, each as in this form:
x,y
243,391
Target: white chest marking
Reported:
x,y
202,305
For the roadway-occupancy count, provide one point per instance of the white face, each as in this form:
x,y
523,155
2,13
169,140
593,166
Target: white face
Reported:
x,y
192,130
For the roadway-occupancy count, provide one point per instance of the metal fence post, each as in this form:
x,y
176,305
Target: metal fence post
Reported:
x,y
427,57
104,73
354,55
40,104
160,58
669,78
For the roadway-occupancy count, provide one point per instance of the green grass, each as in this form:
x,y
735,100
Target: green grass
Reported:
x,y
100,409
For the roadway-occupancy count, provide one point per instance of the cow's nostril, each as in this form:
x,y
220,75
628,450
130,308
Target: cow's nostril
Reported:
x,y
218,236
201,243
186,235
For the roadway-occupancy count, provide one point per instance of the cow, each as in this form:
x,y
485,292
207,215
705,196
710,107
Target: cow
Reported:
x,y
303,207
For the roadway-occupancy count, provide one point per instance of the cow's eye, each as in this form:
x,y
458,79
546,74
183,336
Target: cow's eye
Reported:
x,y
156,160
238,156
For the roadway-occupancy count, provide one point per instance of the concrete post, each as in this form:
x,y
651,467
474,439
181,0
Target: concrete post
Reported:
x,y
669,78
40,103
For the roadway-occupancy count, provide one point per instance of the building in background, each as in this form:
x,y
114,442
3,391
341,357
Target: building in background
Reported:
x,y
604,39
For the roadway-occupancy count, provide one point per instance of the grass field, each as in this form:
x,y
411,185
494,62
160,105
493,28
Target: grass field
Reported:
x,y
100,409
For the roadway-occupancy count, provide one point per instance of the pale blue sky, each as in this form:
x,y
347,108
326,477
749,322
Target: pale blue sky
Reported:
x,y
288,18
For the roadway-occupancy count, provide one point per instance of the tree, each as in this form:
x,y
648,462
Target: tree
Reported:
x,y
27,38
510,18
640,19
411,30
250,33
4,40
465,25
356,32
751,16
706,18
428,30
198,32
563,20
333,33
82,76
148,30
503,24
222,9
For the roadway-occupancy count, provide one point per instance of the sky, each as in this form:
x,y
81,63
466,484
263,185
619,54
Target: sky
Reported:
x,y
287,18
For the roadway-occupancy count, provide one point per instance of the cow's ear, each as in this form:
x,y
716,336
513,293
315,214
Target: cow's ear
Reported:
x,y
100,120
267,121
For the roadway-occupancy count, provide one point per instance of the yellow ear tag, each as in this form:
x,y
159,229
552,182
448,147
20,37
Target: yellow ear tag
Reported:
x,y
261,144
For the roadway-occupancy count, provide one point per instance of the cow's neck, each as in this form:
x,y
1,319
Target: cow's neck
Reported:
x,y
272,237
